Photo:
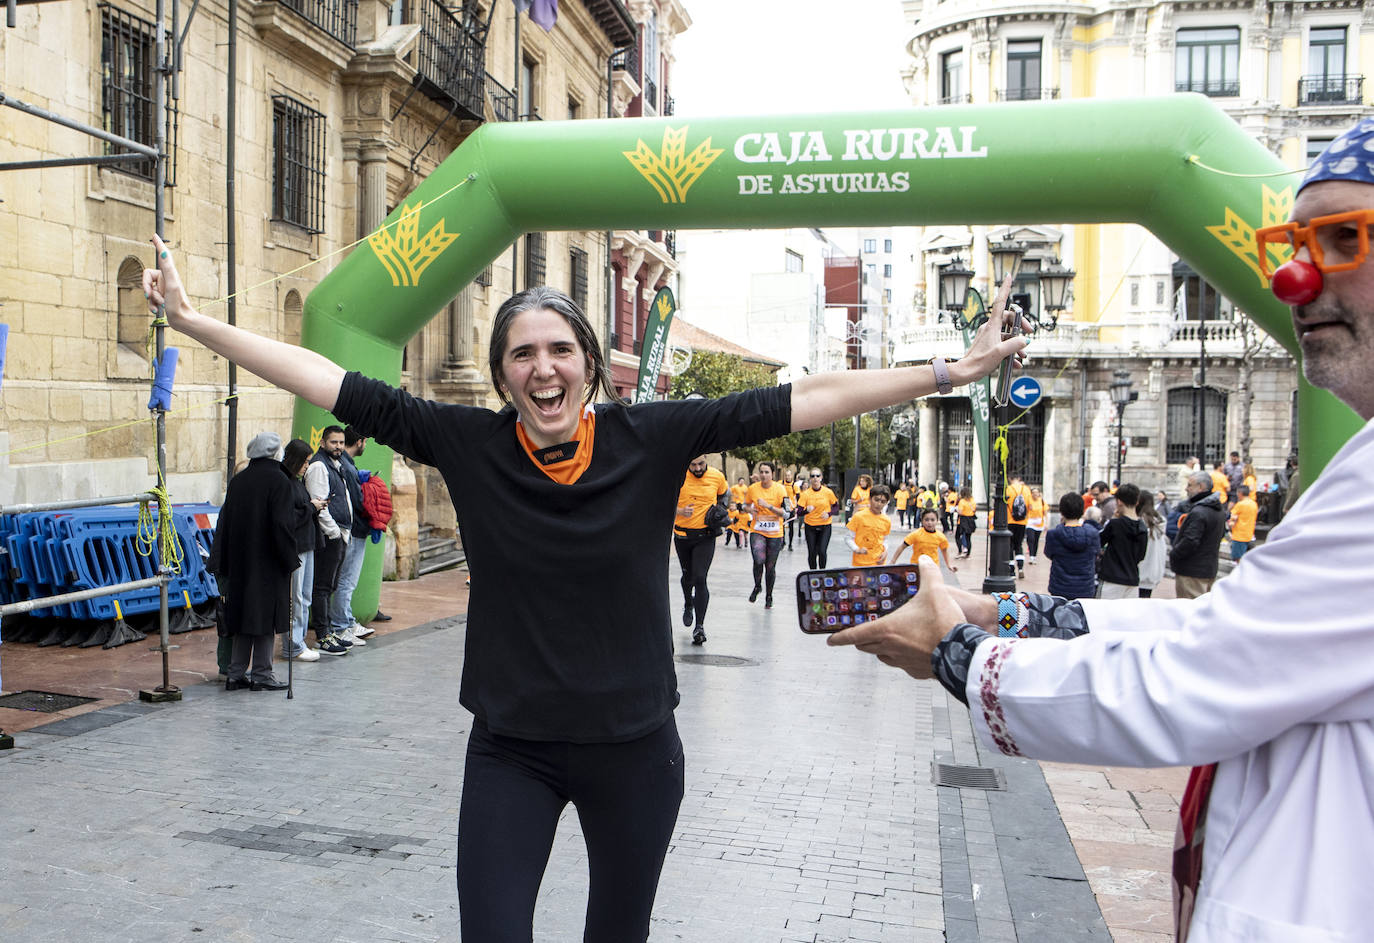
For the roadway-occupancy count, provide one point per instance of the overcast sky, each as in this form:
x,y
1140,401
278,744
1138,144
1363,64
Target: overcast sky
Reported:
x,y
787,56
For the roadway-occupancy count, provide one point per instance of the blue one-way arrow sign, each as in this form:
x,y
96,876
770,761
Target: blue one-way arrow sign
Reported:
x,y
1025,392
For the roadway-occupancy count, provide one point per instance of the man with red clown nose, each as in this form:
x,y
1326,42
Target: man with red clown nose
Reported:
x,y
1265,684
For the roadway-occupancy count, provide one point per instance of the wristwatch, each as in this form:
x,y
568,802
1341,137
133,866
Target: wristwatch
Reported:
x,y
942,380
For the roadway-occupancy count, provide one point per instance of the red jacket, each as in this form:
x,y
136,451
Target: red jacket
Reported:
x,y
377,502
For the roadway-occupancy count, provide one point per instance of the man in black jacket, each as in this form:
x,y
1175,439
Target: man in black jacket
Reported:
x,y
1200,529
1124,542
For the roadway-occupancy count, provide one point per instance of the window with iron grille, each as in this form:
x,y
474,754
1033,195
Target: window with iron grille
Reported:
x,y
577,259
1194,413
534,259
1023,69
484,277
1208,61
127,89
297,164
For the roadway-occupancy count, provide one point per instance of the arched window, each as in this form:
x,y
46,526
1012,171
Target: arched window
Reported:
x,y
1196,425
291,309
132,318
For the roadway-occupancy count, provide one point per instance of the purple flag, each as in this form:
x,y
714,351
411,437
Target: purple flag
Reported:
x,y
543,12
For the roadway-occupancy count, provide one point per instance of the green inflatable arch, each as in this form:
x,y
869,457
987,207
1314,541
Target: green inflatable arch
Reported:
x,y
1086,161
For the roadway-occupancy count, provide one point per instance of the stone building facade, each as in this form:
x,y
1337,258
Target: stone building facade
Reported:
x,y
342,108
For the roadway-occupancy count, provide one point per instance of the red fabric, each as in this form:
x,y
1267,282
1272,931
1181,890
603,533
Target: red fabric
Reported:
x,y
377,502
1192,823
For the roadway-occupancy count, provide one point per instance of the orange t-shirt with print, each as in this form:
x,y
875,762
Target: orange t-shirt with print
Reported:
x,y
869,530
699,494
923,543
767,523
817,505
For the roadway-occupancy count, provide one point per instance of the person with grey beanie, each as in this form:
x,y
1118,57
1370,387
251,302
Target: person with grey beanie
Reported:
x,y
252,557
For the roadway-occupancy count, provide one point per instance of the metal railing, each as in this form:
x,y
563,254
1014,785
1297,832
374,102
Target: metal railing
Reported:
x,y
650,92
669,105
451,55
961,99
627,60
670,242
502,100
1330,89
338,18
1038,93
1213,88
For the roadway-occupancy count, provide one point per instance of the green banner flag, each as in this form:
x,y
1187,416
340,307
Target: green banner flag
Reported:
x,y
655,344
979,392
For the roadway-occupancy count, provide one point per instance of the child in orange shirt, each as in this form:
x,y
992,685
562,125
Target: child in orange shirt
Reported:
x,y
925,541
870,526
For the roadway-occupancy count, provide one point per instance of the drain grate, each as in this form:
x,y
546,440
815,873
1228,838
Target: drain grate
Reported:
x,y
718,661
968,777
45,701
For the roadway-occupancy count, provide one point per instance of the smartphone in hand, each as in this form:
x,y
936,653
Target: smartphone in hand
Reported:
x,y
831,600
1004,373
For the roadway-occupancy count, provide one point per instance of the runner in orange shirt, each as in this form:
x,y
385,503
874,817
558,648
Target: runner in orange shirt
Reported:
x,y
789,485
739,518
968,521
695,541
870,526
820,505
925,541
767,501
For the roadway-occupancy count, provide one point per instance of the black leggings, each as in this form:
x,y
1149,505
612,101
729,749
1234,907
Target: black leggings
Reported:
x,y
695,553
817,543
1032,540
627,797
1018,536
765,552
963,533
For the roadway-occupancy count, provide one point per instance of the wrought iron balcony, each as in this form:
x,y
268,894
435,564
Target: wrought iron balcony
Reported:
x,y
963,98
668,105
338,18
650,93
502,100
627,60
450,55
670,242
1213,88
1036,93
1337,89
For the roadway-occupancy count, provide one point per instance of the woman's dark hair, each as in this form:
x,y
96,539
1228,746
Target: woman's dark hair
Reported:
x,y
295,455
537,299
1145,507
966,491
1071,506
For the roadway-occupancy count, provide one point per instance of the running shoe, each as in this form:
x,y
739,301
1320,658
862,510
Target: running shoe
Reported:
x,y
768,602
754,596
687,613
349,639
361,631
332,645
305,654
699,636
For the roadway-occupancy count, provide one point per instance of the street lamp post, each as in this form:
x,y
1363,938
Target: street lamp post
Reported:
x,y
1122,396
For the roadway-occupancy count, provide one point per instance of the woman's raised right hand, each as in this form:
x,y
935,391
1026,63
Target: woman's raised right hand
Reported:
x,y
163,288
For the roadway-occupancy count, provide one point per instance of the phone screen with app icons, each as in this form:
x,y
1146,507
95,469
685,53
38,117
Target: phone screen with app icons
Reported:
x,y
832,600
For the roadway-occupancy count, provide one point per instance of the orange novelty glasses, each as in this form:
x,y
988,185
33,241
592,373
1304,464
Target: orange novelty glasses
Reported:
x,y
1336,243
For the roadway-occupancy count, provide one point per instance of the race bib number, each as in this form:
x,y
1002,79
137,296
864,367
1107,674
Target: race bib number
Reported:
x,y
768,525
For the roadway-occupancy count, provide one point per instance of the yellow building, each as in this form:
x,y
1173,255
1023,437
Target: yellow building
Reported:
x,y
339,109
1291,74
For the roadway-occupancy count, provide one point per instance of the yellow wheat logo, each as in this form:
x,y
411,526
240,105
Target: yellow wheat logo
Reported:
x,y
1239,236
315,436
403,252
673,172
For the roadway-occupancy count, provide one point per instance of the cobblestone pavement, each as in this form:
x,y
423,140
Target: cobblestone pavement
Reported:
x,y
810,812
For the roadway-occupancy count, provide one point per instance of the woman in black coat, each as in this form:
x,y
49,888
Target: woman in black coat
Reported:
x,y
253,555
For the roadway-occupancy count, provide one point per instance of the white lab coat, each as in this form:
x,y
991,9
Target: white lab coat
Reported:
x,y
1271,675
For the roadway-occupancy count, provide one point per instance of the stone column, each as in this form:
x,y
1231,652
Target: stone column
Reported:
x,y
372,158
928,454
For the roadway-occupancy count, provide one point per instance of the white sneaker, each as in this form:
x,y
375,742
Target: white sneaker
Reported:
x,y
360,631
351,639
306,654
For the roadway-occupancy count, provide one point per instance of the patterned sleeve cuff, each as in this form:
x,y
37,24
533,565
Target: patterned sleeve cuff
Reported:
x,y
951,659
1053,617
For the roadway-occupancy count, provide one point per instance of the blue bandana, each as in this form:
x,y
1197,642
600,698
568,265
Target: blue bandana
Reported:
x,y
1349,157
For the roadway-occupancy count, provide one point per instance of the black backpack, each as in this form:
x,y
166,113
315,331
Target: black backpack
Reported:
x,y
1018,507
